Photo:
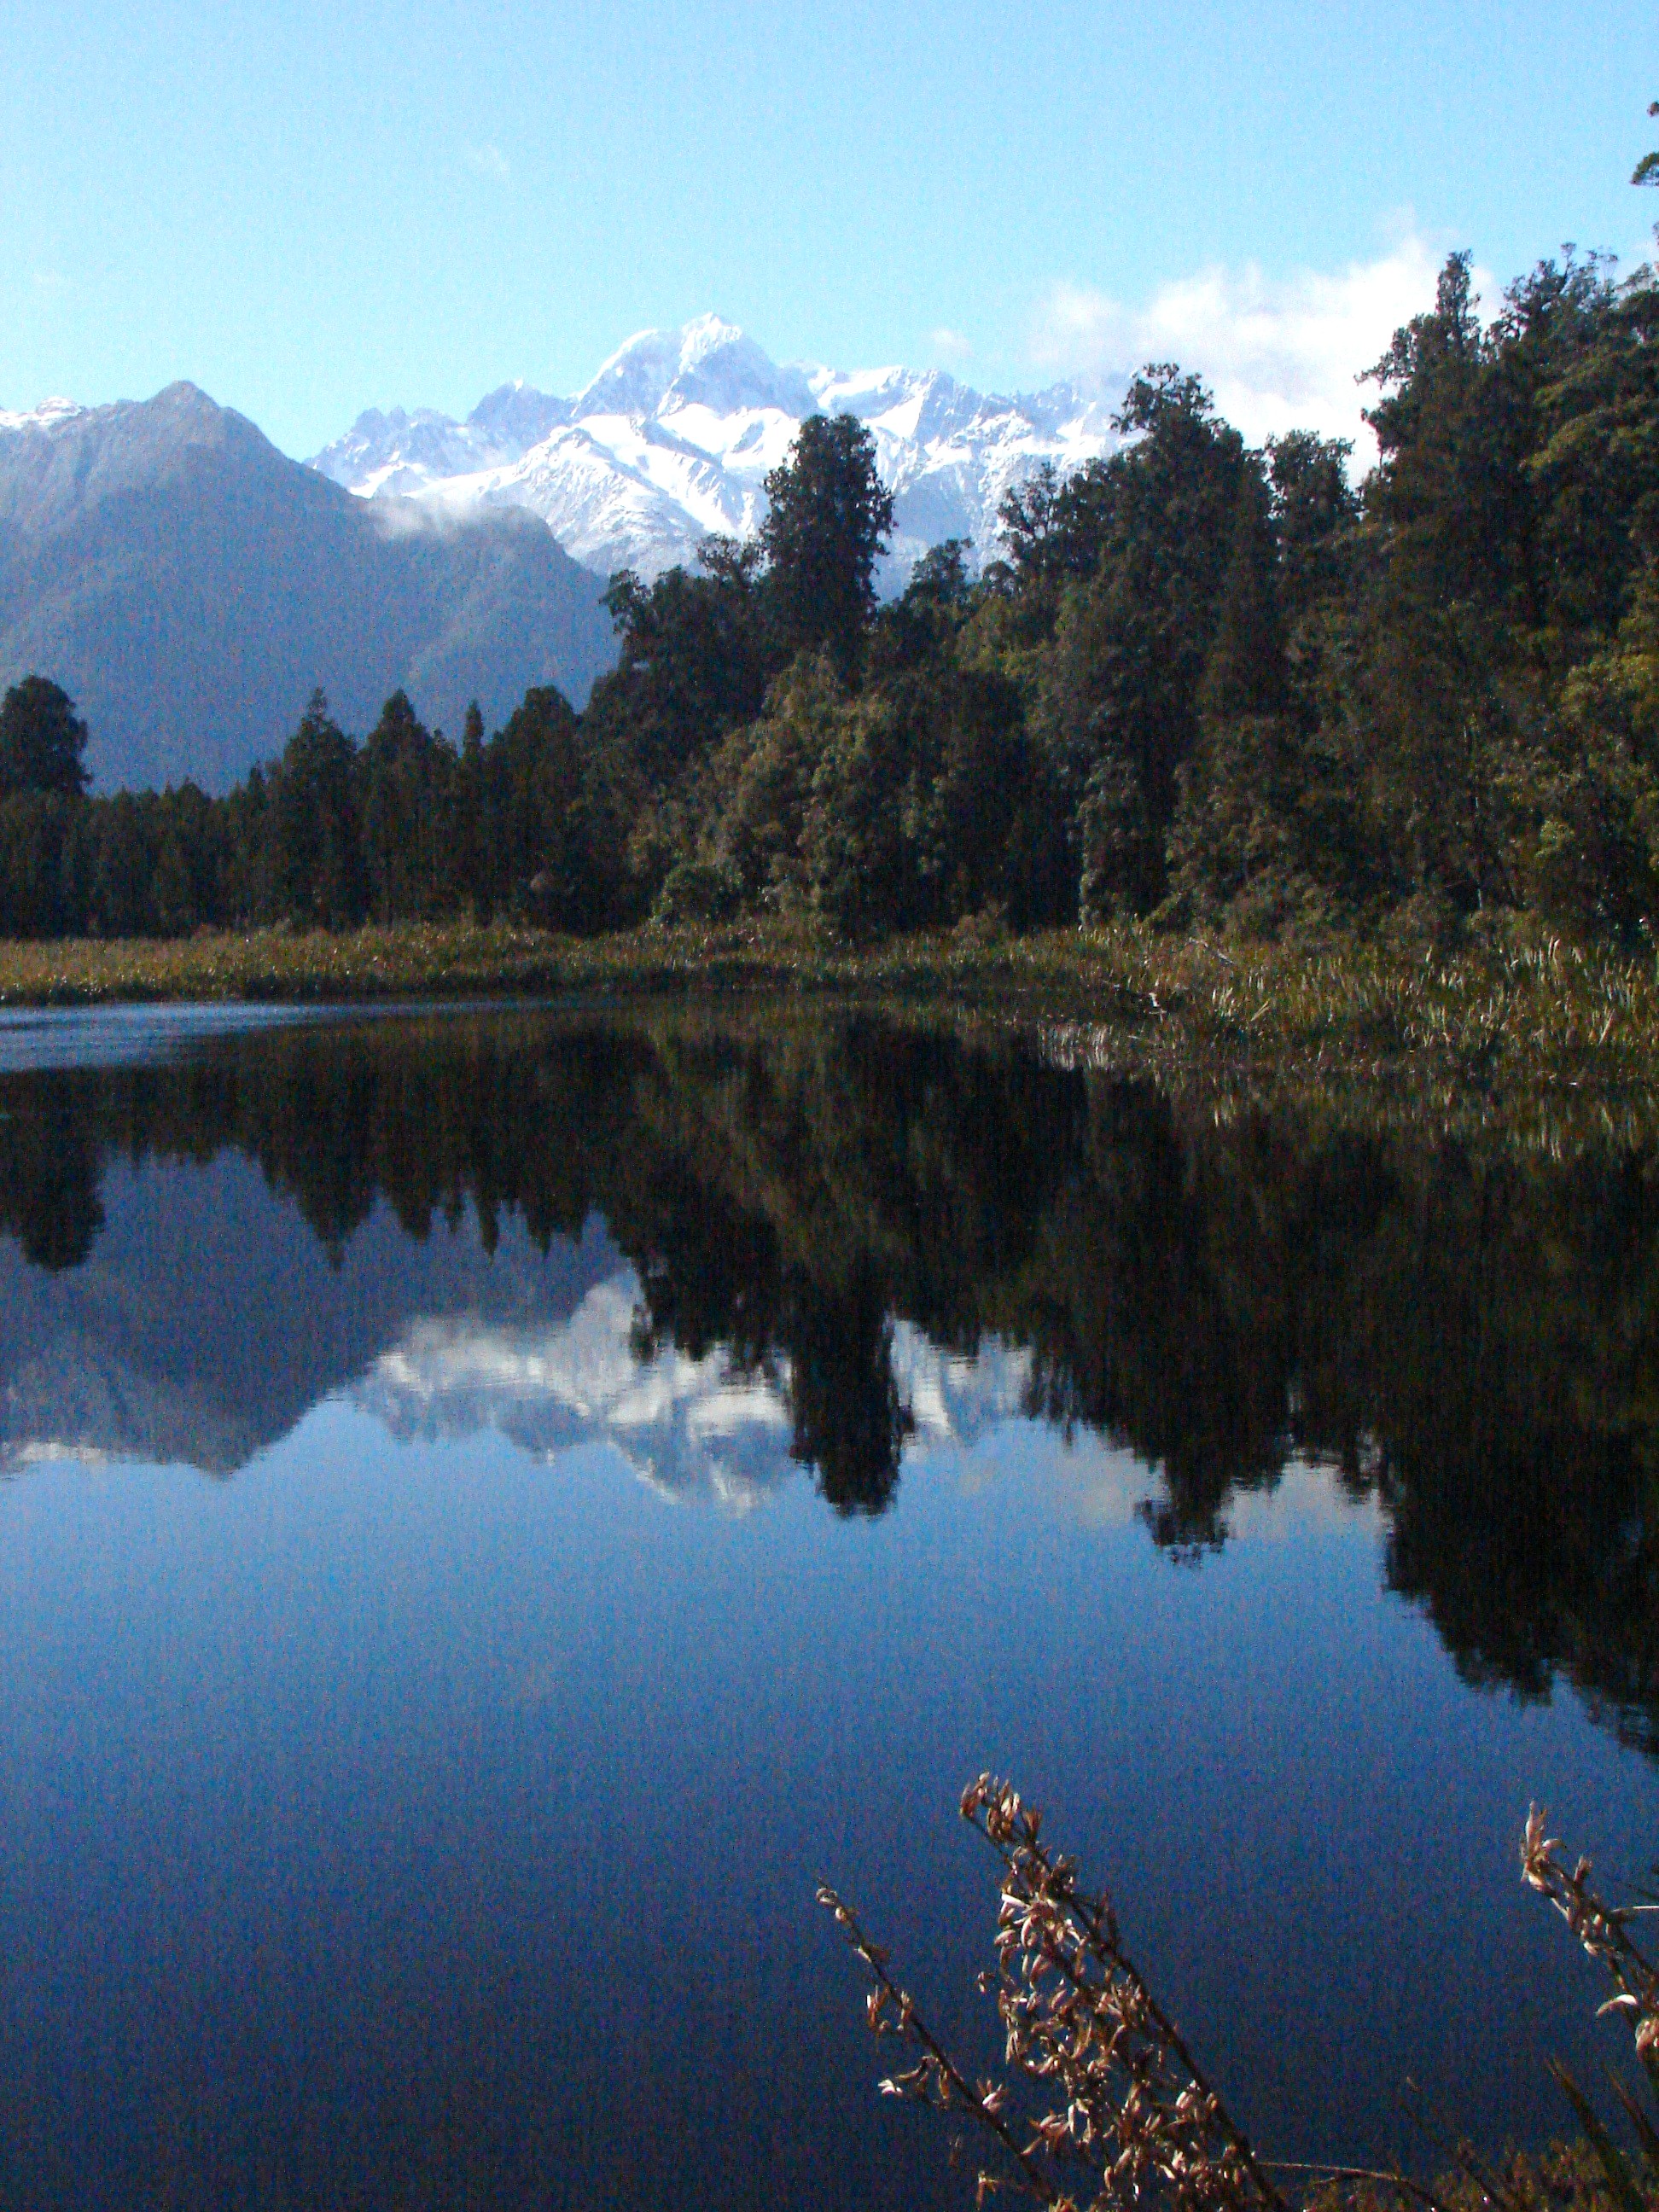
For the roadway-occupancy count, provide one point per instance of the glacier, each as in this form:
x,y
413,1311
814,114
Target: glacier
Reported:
x,y
673,438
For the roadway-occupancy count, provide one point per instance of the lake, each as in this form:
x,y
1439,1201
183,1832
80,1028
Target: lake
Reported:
x,y
497,1505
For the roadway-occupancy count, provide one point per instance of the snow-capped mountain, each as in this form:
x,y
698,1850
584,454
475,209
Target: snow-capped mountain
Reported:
x,y
673,438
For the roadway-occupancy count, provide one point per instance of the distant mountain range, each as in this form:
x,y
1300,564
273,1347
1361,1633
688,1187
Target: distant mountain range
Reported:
x,y
189,586
673,438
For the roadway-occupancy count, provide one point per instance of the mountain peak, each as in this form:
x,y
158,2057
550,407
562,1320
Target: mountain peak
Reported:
x,y
635,379
674,436
702,335
188,585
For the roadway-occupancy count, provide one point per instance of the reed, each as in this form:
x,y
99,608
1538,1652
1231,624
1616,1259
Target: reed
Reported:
x,y
1537,1003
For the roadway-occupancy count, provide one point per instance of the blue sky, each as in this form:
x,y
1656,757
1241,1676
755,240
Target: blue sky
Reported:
x,y
311,209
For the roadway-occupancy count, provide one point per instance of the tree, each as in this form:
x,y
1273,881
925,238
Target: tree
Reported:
x,y
858,862
1245,672
42,740
1315,512
1117,703
829,520
410,854
317,867
689,667
551,845
1647,169
919,629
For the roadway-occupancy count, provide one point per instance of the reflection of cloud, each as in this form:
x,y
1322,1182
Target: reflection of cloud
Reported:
x,y
1280,353
487,161
1100,1486
18,1459
1309,1499
689,1427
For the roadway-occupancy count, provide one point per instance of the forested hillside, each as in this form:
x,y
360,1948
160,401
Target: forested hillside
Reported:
x,y
1221,687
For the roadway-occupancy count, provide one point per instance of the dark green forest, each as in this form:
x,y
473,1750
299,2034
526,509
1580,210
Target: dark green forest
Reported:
x,y
1218,686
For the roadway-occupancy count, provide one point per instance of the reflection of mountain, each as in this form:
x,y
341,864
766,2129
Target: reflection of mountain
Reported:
x,y
208,1317
797,1207
688,1424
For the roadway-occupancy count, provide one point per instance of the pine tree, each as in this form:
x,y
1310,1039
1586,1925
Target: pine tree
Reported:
x,y
827,522
42,740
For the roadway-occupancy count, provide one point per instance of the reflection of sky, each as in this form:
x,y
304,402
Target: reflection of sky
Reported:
x,y
38,1039
427,1805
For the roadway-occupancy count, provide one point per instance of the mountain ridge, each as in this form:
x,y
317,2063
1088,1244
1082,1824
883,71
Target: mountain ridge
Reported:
x,y
672,438
190,586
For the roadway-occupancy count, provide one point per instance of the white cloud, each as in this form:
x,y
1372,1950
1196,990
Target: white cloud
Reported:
x,y
488,161
951,344
1278,353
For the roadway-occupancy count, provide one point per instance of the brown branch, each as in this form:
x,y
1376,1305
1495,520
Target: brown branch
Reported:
x,y
1395,2179
912,2024
1060,1886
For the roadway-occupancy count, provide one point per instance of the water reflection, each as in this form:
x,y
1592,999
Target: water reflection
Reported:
x,y
689,1426
737,1249
1024,1416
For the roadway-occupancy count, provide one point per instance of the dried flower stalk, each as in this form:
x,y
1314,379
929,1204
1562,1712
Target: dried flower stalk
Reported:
x,y
1127,2111
1602,1929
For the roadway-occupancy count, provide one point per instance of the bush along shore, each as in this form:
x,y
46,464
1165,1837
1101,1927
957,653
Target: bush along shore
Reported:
x,y
1528,1010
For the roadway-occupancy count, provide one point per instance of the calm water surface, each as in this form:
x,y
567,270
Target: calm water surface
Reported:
x,y
495,1506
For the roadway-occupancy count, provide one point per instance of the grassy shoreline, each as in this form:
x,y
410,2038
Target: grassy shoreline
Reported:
x,y
1544,1009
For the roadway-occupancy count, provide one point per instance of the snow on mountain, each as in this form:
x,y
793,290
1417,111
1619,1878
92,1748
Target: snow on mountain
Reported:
x,y
689,1427
48,416
673,439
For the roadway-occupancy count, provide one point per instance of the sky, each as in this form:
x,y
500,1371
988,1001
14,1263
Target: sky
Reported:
x,y
312,209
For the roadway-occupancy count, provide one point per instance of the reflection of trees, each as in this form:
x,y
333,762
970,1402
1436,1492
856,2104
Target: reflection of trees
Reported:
x,y
850,1422
1475,1335
50,1171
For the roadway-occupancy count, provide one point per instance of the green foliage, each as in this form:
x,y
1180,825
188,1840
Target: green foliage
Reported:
x,y
698,891
408,778
316,870
1118,686
858,861
762,779
1193,682
828,520
42,741
1647,169
693,664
